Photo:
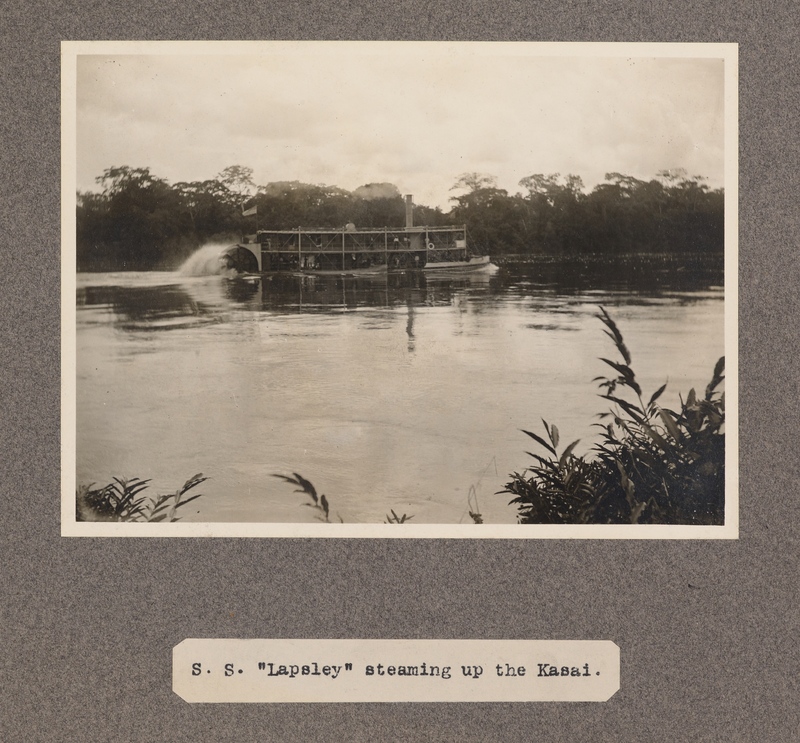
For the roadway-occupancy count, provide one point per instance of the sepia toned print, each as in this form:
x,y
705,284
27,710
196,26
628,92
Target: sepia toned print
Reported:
x,y
399,289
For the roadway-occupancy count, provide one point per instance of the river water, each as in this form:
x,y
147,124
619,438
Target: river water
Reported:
x,y
403,393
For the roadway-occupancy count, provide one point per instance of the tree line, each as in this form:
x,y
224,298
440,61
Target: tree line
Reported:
x,y
139,221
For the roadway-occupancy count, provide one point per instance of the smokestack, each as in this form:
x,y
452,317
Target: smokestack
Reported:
x,y
409,211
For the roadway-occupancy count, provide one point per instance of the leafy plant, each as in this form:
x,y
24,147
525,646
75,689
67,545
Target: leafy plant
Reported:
x,y
393,518
475,515
318,502
121,501
651,465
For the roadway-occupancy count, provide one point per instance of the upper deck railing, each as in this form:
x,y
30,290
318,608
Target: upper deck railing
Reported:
x,y
386,239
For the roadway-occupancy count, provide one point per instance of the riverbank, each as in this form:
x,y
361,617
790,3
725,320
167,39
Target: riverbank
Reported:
x,y
679,260
652,273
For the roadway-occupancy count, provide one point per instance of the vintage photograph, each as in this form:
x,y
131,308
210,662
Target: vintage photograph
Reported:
x,y
399,289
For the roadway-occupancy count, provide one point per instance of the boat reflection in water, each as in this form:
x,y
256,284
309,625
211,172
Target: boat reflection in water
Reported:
x,y
325,293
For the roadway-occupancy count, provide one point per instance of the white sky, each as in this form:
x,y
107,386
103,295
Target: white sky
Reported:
x,y
413,114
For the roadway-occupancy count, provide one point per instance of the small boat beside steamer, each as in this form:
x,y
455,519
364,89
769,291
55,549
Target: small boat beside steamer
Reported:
x,y
350,251
471,263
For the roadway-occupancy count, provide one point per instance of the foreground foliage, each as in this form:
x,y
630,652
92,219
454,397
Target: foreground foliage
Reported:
x,y
121,500
320,503
652,465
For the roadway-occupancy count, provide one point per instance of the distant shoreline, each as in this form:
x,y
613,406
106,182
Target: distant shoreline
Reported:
x,y
707,258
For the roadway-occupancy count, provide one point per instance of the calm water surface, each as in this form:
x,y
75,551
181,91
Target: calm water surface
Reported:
x,y
404,393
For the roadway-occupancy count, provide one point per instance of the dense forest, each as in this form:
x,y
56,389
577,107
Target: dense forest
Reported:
x,y
138,221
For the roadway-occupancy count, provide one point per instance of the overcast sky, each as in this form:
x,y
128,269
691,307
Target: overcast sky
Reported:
x,y
416,115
